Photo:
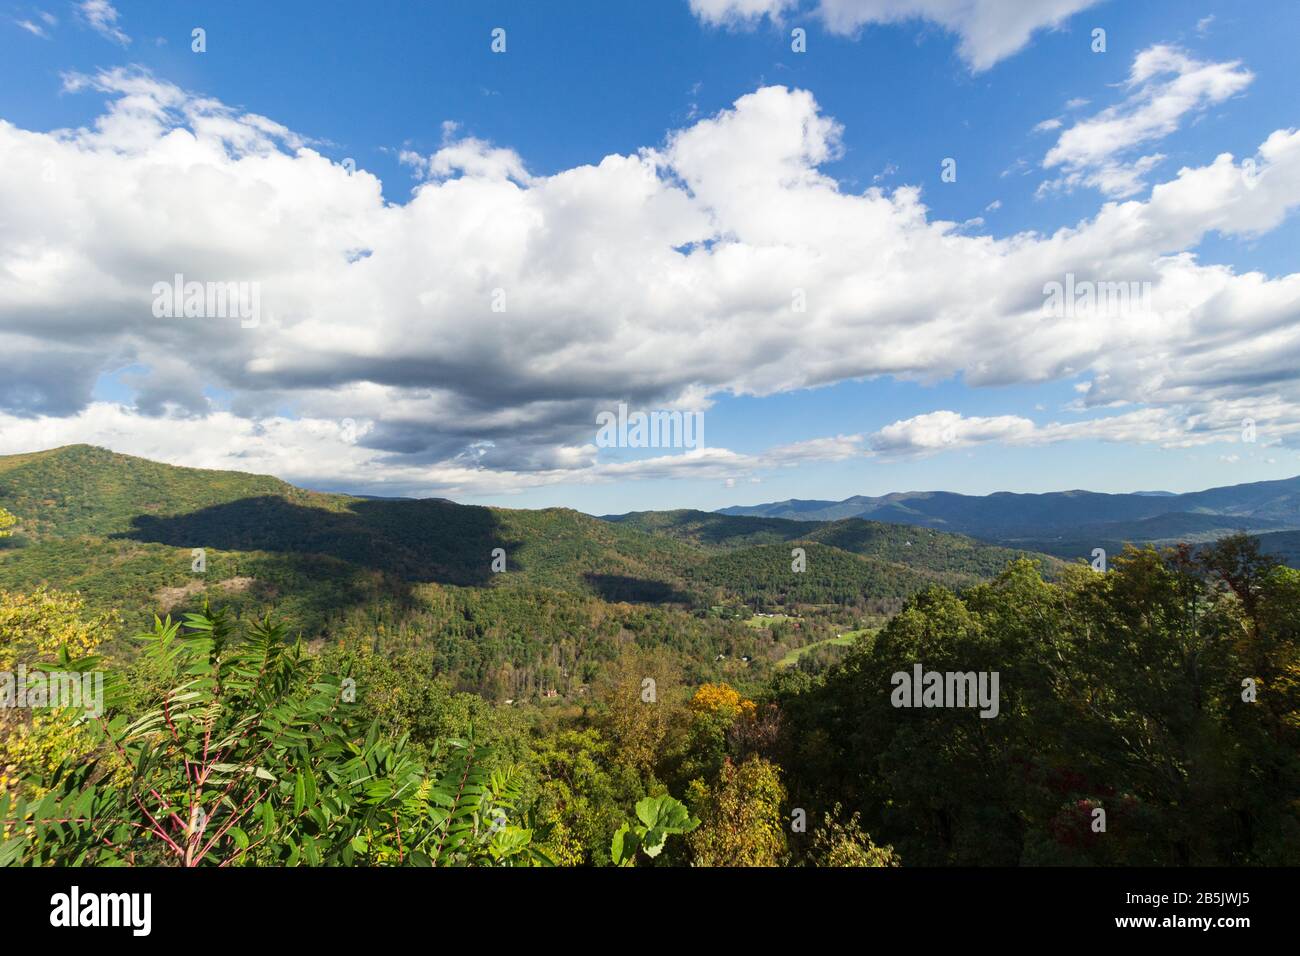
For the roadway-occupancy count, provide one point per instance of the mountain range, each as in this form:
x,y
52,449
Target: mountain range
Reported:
x,y
514,601
121,530
1069,524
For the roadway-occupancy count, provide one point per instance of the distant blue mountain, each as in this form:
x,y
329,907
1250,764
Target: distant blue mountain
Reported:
x,y
1201,515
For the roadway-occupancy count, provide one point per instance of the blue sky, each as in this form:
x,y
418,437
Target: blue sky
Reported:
x,y
582,81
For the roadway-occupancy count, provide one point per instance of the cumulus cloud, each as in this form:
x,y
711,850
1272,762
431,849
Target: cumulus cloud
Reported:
x,y
1174,427
472,333
466,156
333,454
937,431
1164,86
987,30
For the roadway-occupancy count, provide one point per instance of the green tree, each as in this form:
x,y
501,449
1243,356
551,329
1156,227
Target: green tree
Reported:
x,y
34,629
843,843
742,823
582,790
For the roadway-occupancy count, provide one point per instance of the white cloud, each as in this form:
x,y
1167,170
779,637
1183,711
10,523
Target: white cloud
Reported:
x,y
838,448
101,16
33,28
474,157
939,431
987,30
330,454
1174,427
1165,85
733,12
660,279
466,156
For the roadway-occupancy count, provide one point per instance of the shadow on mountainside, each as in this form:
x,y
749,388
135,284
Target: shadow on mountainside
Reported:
x,y
413,541
622,588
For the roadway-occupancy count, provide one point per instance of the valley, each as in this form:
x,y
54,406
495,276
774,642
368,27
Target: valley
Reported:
x,y
722,671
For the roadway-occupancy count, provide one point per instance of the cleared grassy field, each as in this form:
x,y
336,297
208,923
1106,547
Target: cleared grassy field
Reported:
x,y
758,621
841,640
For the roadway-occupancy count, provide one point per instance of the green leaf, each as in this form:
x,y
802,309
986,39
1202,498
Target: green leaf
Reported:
x,y
623,847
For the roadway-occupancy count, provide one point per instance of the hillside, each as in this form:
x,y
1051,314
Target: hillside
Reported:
x,y
80,489
130,507
122,530
1284,545
959,557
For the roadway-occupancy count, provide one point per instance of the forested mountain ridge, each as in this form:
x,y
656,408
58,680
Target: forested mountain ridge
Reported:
x,y
1071,525
917,547
1257,506
130,535
131,509
82,489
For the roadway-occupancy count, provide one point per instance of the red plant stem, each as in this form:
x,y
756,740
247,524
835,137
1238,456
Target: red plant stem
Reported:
x,y
140,803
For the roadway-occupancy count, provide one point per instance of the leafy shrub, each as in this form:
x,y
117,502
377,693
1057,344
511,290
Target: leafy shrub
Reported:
x,y
245,759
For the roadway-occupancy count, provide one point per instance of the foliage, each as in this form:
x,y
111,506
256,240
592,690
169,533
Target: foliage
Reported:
x,y
741,814
1124,692
657,819
843,843
721,700
34,628
638,716
429,711
247,760
582,791
38,625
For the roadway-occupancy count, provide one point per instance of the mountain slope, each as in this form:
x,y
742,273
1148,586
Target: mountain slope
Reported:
x,y
959,556
418,573
123,530
83,492
80,489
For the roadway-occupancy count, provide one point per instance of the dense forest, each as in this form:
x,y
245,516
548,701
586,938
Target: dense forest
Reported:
x,y
653,690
